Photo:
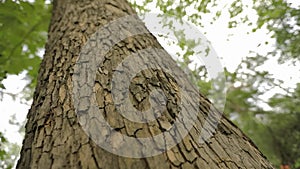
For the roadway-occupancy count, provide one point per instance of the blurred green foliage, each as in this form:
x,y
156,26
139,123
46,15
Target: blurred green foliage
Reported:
x,y
283,22
284,126
23,34
276,131
8,153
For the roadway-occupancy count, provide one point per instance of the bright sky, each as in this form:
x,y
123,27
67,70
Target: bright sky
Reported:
x,y
232,51
10,106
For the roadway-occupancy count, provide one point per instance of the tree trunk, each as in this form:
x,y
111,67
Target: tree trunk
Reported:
x,y
54,137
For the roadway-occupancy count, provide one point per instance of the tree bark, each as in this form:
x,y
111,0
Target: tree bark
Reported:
x,y
55,139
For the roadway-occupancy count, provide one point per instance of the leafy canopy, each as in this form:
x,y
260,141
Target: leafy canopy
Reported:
x,y
23,36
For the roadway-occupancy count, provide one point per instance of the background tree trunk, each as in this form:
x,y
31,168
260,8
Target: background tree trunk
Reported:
x,y
55,139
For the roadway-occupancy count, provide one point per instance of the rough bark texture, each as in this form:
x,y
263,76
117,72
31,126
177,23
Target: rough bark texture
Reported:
x,y
55,139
